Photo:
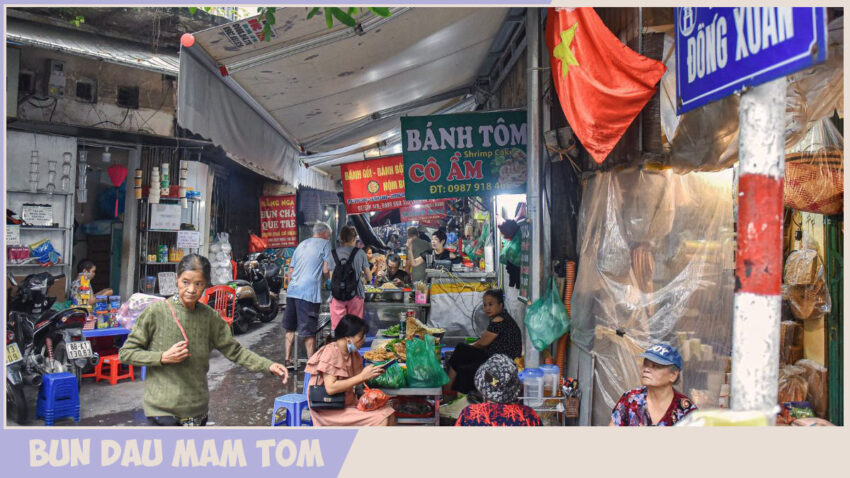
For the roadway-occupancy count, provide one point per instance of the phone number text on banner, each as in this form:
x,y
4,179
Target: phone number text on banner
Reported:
x,y
373,185
278,221
468,154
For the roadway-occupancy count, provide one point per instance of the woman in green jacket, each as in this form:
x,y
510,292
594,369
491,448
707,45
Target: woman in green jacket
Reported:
x,y
174,338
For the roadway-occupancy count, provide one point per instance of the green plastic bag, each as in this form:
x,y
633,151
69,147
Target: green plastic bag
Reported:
x,y
423,367
546,319
512,253
393,377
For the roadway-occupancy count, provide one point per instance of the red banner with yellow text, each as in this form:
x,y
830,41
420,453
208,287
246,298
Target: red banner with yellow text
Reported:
x,y
373,185
278,221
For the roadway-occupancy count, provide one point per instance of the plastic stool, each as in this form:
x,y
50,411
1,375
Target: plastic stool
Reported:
x,y
288,409
58,398
144,372
114,366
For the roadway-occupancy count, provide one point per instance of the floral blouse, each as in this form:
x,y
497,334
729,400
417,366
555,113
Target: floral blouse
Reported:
x,y
632,410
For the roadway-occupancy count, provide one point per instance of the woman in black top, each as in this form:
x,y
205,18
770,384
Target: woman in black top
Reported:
x,y
438,243
503,336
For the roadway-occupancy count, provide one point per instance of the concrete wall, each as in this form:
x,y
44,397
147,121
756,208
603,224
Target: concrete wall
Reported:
x,y
157,95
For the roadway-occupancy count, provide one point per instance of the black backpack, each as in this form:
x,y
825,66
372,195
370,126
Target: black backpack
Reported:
x,y
344,280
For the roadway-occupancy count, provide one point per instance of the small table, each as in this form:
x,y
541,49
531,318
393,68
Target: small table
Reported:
x,y
107,332
436,392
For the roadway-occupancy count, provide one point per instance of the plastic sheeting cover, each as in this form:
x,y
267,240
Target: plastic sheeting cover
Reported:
x,y
706,138
656,266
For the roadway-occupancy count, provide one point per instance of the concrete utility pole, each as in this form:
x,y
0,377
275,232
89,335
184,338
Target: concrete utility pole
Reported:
x,y
758,268
535,170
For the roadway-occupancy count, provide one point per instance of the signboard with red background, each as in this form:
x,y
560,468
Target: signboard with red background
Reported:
x,y
373,185
278,221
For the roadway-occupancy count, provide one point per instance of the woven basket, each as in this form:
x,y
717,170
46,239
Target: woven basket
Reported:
x,y
815,182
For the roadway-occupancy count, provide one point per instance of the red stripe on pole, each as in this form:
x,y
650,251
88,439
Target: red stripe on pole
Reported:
x,y
758,266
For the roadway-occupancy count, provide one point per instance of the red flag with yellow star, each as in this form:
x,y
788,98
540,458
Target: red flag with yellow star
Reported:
x,y
602,84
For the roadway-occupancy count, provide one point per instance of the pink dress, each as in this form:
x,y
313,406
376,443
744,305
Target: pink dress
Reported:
x,y
331,360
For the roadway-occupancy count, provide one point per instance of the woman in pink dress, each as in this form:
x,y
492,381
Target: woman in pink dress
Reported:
x,y
339,367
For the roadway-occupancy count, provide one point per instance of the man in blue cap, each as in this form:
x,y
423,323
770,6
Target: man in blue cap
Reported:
x,y
656,403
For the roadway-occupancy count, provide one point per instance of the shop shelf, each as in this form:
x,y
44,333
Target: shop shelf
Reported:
x,y
44,228
40,192
34,264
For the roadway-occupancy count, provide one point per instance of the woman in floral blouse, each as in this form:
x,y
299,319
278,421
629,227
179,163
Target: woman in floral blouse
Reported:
x,y
656,403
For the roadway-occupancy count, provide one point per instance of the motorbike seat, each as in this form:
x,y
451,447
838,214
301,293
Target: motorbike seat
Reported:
x,y
272,271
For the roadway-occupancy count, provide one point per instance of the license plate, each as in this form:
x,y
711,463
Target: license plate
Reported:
x,y
77,350
13,353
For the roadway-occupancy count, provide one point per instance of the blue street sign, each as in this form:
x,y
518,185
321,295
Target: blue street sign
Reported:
x,y
719,51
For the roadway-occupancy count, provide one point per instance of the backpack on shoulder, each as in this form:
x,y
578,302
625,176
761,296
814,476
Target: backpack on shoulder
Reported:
x,y
344,279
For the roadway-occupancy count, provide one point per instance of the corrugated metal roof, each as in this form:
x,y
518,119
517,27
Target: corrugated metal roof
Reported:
x,y
90,46
331,89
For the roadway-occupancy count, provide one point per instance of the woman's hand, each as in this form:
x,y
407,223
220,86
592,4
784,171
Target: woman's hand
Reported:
x,y
371,372
280,371
176,354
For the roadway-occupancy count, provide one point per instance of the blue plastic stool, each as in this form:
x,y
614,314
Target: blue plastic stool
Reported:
x,y
288,408
144,372
58,398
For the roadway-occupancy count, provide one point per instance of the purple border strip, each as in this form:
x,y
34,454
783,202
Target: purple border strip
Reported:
x,y
205,452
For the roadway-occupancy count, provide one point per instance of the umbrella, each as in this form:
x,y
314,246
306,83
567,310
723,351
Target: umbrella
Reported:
x,y
117,174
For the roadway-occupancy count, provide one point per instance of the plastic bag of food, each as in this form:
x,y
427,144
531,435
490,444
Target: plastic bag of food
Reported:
x,y
512,252
793,386
546,319
393,377
372,399
814,171
423,367
817,380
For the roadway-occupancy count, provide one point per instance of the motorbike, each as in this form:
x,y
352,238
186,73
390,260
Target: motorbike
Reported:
x,y
40,340
16,405
258,297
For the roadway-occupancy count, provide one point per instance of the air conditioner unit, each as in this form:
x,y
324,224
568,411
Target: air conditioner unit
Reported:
x,y
13,67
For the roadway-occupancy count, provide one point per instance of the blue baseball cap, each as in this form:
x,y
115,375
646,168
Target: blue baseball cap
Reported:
x,y
664,354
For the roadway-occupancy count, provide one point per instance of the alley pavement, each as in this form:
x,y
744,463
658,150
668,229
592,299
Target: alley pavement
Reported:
x,y
238,396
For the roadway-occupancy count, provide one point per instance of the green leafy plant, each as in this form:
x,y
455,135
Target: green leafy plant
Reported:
x,y
78,20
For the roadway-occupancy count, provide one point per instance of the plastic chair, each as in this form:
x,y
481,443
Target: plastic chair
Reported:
x,y
288,408
224,302
58,398
113,374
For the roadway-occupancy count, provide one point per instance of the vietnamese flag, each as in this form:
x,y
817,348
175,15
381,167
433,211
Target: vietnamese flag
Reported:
x,y
602,83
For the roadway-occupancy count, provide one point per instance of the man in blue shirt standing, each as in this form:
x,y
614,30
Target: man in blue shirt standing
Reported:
x,y
310,266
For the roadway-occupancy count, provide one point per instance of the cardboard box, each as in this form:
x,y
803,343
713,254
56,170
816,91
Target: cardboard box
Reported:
x,y
56,290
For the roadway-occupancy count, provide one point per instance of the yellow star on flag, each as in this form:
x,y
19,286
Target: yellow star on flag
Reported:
x,y
563,52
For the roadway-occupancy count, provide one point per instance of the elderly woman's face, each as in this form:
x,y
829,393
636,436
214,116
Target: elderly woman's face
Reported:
x,y
190,286
656,375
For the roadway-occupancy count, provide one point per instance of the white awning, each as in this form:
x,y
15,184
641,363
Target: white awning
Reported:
x,y
317,95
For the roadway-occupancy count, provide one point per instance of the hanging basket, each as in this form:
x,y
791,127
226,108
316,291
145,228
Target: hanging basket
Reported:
x,y
815,183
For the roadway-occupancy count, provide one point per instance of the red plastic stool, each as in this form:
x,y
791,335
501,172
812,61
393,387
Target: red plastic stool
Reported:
x,y
114,373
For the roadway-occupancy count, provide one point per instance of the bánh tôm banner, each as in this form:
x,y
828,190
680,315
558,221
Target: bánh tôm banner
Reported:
x,y
373,185
468,154
278,221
